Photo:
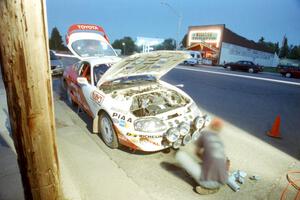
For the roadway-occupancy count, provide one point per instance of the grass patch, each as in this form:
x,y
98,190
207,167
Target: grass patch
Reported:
x,y
270,69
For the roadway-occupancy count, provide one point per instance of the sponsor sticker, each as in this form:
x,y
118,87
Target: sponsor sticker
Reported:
x,y
121,117
147,140
97,97
144,136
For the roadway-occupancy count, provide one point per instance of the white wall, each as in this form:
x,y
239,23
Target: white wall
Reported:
x,y
233,53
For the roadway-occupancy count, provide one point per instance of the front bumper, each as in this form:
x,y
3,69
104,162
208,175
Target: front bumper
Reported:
x,y
159,141
193,134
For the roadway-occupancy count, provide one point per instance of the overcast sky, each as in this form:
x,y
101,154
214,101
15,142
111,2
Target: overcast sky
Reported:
x,y
149,18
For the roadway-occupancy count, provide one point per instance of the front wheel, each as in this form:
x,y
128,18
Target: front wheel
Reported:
x,y
251,70
107,131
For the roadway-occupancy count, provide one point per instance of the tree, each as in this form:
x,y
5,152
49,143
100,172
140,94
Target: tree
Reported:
x,y
261,40
168,44
55,41
284,50
184,41
294,52
129,46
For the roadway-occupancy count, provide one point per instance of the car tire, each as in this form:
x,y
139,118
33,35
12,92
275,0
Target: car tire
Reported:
x,y
288,75
251,70
69,98
63,84
107,131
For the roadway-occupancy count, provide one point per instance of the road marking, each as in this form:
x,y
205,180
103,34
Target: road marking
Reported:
x,y
241,76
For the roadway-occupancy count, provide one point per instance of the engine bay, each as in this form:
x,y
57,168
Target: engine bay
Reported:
x,y
156,102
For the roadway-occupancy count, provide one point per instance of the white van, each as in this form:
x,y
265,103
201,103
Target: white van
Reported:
x,y
195,59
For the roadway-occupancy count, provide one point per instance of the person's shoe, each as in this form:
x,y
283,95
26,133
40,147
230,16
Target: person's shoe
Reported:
x,y
204,191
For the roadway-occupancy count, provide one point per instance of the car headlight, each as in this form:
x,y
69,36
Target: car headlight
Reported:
x,y
172,134
184,128
199,122
59,66
150,125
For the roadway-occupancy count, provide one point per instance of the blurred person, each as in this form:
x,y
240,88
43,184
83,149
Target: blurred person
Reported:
x,y
213,173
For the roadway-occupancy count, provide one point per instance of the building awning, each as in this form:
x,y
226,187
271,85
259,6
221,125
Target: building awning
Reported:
x,y
202,47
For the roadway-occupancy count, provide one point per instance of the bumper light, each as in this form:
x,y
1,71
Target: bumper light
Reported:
x,y
199,122
177,144
207,120
187,139
172,134
184,128
196,135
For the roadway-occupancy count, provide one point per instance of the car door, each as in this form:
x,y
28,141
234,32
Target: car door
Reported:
x,y
83,71
296,72
91,98
239,65
245,66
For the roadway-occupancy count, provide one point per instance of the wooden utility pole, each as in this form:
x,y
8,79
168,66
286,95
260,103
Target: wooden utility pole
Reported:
x,y
25,67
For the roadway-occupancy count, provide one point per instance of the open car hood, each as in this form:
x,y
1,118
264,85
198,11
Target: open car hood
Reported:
x,y
85,41
156,63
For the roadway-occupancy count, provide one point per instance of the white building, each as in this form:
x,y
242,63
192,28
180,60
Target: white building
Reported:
x,y
148,44
221,45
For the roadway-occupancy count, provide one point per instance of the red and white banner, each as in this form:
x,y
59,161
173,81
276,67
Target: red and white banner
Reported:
x,y
86,28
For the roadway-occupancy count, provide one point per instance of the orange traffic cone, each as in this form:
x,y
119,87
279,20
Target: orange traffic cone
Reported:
x,y
274,132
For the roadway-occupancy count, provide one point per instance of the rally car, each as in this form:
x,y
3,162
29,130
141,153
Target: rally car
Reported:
x,y
126,99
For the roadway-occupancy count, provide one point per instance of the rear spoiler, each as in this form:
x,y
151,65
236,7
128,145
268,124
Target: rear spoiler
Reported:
x,y
86,28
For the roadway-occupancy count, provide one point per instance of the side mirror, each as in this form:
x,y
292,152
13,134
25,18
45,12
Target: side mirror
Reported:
x,y
180,85
82,81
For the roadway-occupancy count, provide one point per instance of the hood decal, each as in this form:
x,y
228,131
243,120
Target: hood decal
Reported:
x,y
156,63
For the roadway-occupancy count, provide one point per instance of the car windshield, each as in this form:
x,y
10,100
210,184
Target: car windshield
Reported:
x,y
126,82
99,70
92,48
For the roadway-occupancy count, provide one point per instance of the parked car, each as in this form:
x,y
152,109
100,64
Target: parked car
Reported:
x,y
130,105
57,67
243,66
289,71
195,58
126,99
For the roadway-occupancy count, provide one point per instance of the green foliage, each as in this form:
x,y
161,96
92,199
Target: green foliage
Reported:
x,y
274,47
294,52
168,44
128,48
284,50
55,41
184,41
261,40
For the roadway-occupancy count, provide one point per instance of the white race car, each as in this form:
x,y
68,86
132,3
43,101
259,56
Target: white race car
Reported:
x,y
126,99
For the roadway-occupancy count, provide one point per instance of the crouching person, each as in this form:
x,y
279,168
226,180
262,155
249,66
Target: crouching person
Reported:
x,y
213,173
